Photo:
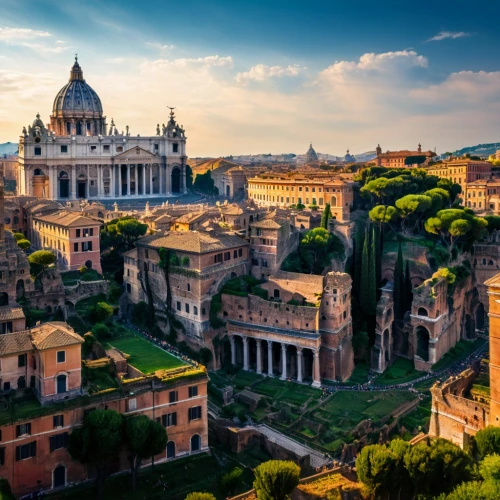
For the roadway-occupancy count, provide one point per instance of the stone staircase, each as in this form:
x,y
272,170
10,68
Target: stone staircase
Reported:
x,y
317,459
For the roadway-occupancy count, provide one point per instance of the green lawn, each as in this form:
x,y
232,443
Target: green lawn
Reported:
x,y
401,371
98,379
196,473
145,356
359,375
298,394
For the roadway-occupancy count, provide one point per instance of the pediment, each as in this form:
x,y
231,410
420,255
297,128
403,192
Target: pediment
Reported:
x,y
137,154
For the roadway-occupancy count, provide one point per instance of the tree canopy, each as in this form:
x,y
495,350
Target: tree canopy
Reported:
x,y
122,234
276,479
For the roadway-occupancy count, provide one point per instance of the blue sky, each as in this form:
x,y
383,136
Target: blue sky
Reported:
x,y
264,76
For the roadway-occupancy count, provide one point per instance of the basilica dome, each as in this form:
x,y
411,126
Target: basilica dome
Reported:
x,y
311,155
77,98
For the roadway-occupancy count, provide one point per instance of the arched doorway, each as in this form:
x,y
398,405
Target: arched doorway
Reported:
x,y
170,449
334,201
196,443
63,185
480,315
423,343
61,384
228,191
19,289
176,180
59,477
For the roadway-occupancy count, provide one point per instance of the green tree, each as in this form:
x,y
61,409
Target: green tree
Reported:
x,y
314,247
368,287
489,468
24,244
440,199
488,441
200,496
145,438
97,442
415,160
205,184
41,259
100,312
325,217
399,285
412,205
493,222
276,479
130,231
383,214
232,480
101,331
376,467
474,490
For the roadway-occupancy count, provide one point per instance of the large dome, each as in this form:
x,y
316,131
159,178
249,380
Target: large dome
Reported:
x,y
77,98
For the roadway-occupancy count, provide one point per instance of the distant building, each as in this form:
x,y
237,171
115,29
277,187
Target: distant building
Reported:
x,y
397,159
229,178
311,156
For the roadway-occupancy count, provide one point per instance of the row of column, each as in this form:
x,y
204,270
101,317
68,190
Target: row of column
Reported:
x,y
284,346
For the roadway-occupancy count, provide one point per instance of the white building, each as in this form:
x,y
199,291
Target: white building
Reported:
x,y
79,156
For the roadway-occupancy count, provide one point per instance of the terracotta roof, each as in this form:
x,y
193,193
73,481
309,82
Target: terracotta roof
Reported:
x,y
190,217
494,281
231,210
405,152
164,218
8,313
67,219
266,224
14,343
193,241
54,334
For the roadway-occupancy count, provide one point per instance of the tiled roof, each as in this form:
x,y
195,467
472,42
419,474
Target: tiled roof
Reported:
x,y
164,218
8,313
54,334
190,217
67,219
13,343
193,241
405,152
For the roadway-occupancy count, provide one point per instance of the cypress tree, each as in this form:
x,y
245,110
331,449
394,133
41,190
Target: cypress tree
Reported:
x,y
408,287
368,289
325,217
357,257
377,258
399,286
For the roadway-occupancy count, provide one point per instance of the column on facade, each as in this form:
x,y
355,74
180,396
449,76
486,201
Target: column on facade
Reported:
x,y
183,179
99,181
143,179
136,179
233,349
160,168
151,179
283,361
299,364
245,353
73,182
269,357
259,356
128,180
115,170
316,370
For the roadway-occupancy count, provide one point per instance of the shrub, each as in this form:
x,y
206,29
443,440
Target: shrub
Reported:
x,y
200,496
276,479
231,481
101,331
83,269
89,341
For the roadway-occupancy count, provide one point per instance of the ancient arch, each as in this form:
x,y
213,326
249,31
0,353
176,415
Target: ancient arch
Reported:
x,y
171,449
423,343
176,180
59,477
195,443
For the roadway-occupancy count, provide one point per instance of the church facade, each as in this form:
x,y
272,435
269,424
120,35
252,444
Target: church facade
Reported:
x,y
78,156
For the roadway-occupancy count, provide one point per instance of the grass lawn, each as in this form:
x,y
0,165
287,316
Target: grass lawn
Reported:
x,y
461,350
359,375
99,379
197,473
145,356
401,371
245,379
298,394
271,387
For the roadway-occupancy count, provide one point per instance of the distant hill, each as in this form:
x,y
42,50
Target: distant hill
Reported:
x,y
479,150
8,148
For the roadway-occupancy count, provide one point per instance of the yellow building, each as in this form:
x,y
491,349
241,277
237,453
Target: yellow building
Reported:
x,y
284,191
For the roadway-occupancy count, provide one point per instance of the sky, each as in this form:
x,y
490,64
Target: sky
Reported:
x,y
264,76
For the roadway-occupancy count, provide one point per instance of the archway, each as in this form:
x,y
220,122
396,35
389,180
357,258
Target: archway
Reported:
x,y
423,343
228,191
59,477
170,449
195,443
63,185
82,186
19,289
334,201
61,384
480,315
176,180
422,312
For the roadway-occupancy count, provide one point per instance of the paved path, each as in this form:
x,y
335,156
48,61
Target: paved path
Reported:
x,y
317,459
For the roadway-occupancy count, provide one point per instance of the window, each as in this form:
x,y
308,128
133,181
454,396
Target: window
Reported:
x,y
2,456
173,397
129,288
21,382
169,420
193,391
21,360
175,147
93,148
188,287
194,413
132,404
178,306
119,149
87,246
6,386
58,421
195,310
61,356
58,441
38,151
26,451
157,147
64,149
203,312
187,308
240,252
78,233
235,254
106,148
23,429
227,255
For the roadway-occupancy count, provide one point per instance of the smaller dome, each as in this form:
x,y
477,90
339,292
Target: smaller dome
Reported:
x,y
311,154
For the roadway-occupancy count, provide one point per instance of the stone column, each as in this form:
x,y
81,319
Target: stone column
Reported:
x,y
136,179
151,179
73,182
299,364
245,353
316,370
128,180
259,356
233,350
143,179
160,168
269,358
283,361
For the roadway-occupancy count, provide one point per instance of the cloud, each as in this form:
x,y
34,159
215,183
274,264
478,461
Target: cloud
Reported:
x,y
45,49
116,60
15,34
443,35
186,62
160,46
261,72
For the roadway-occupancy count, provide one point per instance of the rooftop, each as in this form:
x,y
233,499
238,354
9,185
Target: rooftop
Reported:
x,y
67,219
8,313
